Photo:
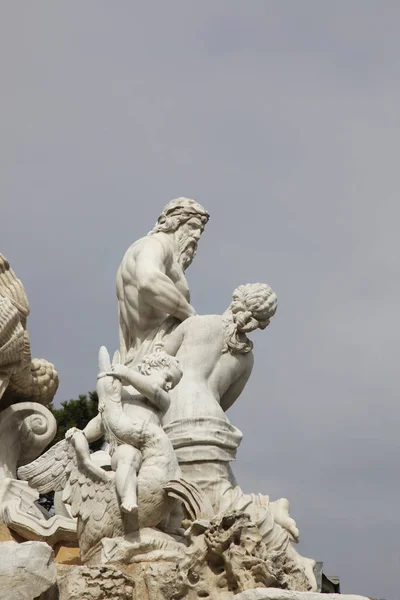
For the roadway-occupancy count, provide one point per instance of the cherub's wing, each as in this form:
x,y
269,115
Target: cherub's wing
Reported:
x,y
51,470
87,488
99,514
90,497
94,502
88,491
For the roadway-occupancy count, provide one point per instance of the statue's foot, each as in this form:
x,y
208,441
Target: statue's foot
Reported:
x,y
129,506
308,565
280,512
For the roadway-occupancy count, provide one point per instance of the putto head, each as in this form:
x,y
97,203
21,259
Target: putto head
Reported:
x,y
156,361
252,307
164,363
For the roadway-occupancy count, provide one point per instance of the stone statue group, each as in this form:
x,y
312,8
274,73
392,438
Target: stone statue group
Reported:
x,y
163,487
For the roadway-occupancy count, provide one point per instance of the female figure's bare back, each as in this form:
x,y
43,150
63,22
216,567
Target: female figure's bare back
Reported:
x,y
212,379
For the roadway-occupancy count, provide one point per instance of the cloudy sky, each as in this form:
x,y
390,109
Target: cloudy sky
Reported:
x,y
282,119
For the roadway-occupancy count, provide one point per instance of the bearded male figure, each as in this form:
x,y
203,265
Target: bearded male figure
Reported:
x,y
152,291
216,359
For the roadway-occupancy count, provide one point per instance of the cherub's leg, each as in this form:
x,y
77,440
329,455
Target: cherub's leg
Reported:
x,y
83,455
126,463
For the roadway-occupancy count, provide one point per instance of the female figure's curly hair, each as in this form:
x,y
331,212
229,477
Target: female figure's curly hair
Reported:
x,y
252,307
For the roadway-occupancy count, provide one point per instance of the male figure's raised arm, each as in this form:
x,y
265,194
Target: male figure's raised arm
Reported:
x,y
155,286
237,387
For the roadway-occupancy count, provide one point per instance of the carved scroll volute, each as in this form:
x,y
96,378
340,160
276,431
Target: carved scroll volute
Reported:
x,y
25,431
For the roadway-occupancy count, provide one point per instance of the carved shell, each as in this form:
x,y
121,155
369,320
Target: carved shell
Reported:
x,y
37,381
21,378
11,335
26,429
11,287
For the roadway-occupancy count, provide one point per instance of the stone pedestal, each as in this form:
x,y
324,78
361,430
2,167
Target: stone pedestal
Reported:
x,y
275,594
94,583
159,581
27,571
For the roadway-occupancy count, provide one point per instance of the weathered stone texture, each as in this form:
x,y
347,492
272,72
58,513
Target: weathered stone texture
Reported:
x,y
94,583
27,571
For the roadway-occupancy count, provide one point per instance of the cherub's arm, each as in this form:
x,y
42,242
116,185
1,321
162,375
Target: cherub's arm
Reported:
x,y
160,398
234,391
144,384
94,429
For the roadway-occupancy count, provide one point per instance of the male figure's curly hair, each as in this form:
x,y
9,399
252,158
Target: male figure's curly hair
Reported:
x,y
157,360
252,307
177,212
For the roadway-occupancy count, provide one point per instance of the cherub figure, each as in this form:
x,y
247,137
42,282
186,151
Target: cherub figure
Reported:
x,y
145,482
130,419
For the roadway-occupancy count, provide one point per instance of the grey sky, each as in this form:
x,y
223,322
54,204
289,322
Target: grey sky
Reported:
x,y
282,119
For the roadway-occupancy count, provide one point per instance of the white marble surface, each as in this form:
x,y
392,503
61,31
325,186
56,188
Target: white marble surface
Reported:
x,y
151,283
21,377
277,594
144,486
216,358
27,570
163,404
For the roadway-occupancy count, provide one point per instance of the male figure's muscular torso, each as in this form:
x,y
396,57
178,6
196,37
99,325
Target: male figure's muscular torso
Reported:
x,y
150,286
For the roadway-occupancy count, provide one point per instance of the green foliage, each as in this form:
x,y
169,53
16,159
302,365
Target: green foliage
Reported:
x,y
76,413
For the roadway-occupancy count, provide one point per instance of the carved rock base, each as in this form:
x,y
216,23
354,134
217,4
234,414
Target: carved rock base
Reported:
x,y
67,554
94,583
157,581
275,594
8,535
27,571
139,581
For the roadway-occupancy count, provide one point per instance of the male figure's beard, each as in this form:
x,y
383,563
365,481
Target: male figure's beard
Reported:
x,y
185,251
